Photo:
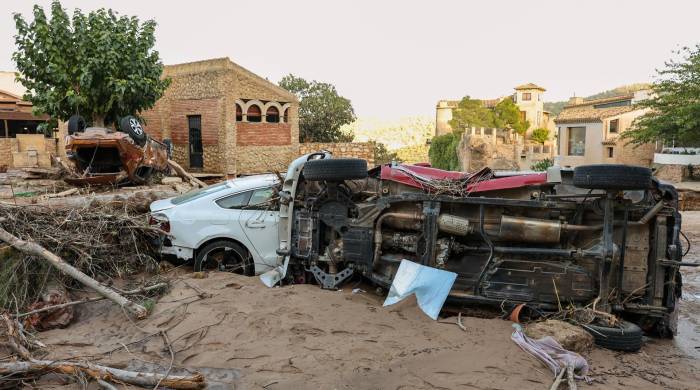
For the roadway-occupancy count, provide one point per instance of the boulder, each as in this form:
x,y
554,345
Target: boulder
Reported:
x,y
572,337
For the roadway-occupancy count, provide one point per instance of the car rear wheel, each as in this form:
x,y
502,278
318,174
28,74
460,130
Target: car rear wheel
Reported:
x,y
612,177
625,337
132,126
335,169
224,255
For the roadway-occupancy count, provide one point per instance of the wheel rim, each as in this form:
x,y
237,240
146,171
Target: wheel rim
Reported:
x,y
225,259
135,127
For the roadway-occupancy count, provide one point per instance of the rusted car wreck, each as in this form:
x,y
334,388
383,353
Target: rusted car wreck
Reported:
x,y
601,236
103,156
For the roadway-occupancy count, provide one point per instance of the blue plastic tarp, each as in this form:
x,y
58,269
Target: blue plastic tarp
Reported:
x,y
431,286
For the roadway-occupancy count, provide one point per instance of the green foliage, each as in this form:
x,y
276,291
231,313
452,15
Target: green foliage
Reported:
x,y
507,116
542,165
555,108
322,111
100,65
674,107
443,151
540,135
472,113
382,155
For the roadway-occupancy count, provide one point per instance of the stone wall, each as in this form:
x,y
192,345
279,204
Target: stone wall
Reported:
x,y
676,173
363,150
7,146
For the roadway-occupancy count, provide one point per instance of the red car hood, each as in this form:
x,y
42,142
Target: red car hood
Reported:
x,y
479,181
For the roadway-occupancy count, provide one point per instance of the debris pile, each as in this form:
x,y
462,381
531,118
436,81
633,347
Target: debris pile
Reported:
x,y
100,240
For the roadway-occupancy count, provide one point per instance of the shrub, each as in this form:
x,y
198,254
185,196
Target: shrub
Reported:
x,y
443,151
542,165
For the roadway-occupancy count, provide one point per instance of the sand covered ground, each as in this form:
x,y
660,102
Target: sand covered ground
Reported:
x,y
243,335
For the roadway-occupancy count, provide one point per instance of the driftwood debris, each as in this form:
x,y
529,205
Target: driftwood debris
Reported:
x,y
99,372
141,290
185,175
62,193
37,250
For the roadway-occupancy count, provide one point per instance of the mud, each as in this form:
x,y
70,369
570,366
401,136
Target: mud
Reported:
x,y
246,336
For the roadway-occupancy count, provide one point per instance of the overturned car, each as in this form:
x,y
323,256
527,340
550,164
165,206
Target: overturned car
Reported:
x,y
600,235
103,156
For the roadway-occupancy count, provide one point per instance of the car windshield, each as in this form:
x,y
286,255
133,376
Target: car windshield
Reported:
x,y
202,192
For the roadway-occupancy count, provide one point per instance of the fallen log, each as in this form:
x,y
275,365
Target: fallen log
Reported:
x,y
95,299
62,193
37,250
185,175
137,200
99,372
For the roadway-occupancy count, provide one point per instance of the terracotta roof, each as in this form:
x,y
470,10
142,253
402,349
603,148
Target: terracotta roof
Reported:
x,y
10,86
529,86
586,111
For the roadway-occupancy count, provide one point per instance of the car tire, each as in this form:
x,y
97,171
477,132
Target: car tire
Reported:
x,y
335,169
612,177
132,126
626,337
76,124
224,255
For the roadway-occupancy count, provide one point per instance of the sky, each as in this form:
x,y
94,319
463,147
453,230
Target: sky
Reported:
x,y
398,58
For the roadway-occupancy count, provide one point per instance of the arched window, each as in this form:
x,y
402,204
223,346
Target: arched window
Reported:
x,y
272,115
239,113
286,115
254,114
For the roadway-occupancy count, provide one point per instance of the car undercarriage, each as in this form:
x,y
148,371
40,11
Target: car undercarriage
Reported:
x,y
600,236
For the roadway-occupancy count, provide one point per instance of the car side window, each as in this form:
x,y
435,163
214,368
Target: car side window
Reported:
x,y
235,201
262,199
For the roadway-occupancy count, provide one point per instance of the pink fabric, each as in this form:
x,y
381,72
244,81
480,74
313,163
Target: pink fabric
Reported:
x,y
549,352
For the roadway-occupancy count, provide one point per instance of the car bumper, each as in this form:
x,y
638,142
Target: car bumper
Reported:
x,y
166,247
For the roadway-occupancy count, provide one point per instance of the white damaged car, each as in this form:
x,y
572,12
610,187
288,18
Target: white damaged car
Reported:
x,y
230,226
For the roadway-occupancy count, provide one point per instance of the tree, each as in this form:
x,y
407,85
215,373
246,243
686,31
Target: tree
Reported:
x,y
507,116
99,65
471,113
382,155
443,151
321,110
674,105
540,135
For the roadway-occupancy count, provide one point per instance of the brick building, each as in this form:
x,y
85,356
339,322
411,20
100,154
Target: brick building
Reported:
x,y
222,118
20,143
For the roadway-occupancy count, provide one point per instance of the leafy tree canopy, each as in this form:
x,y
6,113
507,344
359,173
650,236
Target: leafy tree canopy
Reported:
x,y
540,135
674,107
99,65
382,155
321,110
472,113
507,115
443,151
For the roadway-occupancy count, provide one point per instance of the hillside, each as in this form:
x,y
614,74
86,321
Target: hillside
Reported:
x,y
556,107
394,134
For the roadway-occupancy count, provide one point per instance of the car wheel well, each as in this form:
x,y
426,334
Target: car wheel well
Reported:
x,y
207,242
